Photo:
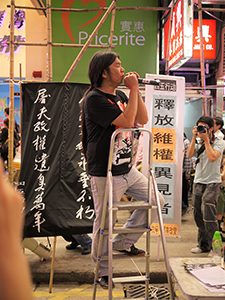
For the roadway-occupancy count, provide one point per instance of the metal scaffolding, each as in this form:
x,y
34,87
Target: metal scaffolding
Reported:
x,y
48,9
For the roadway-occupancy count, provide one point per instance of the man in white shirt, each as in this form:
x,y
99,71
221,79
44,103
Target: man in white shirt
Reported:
x,y
207,181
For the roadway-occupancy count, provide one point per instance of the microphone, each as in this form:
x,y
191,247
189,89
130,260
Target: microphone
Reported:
x,y
148,81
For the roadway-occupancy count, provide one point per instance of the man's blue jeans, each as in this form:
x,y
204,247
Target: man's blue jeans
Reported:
x,y
134,184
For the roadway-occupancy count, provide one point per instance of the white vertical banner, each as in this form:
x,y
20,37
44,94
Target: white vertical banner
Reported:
x,y
165,105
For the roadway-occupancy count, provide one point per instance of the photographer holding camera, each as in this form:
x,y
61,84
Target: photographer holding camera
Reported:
x,y
206,182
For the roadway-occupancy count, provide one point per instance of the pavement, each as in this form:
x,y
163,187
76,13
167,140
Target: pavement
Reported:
x,y
72,266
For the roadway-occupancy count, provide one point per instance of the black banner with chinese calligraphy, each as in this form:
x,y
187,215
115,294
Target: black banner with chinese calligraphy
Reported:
x,y
53,174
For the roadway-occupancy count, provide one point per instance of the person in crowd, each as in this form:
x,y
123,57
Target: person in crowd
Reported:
x,y
219,133
221,201
104,109
17,126
223,132
207,181
79,239
15,277
218,125
186,175
4,141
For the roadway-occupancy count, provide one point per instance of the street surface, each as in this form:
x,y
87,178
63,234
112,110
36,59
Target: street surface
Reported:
x,y
70,291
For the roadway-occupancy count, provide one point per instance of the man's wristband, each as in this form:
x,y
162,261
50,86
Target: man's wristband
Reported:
x,y
140,94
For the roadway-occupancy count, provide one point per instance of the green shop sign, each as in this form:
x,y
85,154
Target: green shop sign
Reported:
x,y
134,37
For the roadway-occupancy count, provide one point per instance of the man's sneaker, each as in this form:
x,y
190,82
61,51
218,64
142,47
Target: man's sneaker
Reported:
x,y
196,250
133,251
71,246
86,251
103,281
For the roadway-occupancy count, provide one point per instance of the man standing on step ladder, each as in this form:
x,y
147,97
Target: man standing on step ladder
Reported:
x,y
104,109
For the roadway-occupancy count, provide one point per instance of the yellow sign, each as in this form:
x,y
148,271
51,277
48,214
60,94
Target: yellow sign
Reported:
x,y
164,141
169,229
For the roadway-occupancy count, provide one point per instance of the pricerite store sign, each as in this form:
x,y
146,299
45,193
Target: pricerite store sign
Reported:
x,y
134,37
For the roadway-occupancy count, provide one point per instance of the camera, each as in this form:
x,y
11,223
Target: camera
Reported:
x,y
202,129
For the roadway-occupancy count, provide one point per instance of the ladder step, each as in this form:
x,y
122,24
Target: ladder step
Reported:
x,y
123,255
130,279
122,205
128,230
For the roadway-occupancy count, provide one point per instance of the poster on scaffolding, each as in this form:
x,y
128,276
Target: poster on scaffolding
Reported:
x,y
165,105
19,57
53,177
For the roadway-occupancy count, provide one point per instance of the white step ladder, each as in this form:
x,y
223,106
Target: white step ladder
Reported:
x,y
110,207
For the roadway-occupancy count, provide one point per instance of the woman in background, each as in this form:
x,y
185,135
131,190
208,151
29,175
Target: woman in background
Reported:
x,y
4,141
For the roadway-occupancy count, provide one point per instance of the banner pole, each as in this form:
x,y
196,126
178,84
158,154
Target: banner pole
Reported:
x,y
52,265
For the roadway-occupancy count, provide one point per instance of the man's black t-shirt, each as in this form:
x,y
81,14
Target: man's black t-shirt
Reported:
x,y
100,109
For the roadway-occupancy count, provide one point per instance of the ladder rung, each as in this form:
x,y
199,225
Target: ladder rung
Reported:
x,y
127,230
122,255
133,205
115,255
130,279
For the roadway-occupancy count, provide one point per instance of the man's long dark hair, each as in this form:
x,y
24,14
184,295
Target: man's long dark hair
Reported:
x,y
99,63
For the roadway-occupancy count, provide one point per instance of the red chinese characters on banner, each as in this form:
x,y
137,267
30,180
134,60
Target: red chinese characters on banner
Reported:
x,y
176,36
209,39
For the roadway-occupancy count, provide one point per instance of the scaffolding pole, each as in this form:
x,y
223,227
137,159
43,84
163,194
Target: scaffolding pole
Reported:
x,y
212,9
21,104
49,42
59,45
169,39
93,9
204,102
11,96
112,28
